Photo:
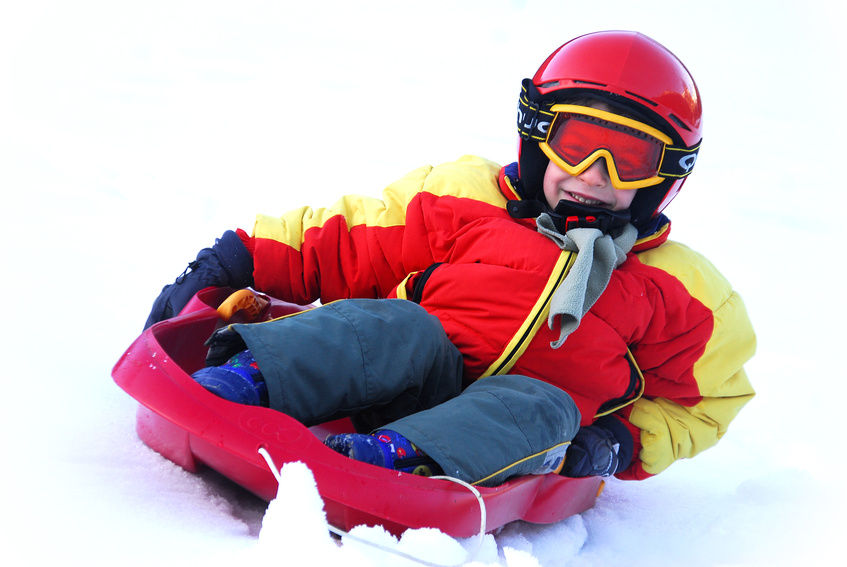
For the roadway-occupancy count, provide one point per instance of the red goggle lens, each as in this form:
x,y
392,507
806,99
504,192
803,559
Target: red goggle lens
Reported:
x,y
575,137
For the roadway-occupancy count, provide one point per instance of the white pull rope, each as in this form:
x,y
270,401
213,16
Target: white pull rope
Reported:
x,y
479,537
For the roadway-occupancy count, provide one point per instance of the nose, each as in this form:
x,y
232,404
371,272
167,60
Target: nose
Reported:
x,y
596,175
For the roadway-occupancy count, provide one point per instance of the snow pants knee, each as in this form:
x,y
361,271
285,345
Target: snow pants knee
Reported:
x,y
389,364
373,360
499,427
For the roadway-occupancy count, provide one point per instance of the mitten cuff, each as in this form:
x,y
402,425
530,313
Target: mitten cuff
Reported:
x,y
621,434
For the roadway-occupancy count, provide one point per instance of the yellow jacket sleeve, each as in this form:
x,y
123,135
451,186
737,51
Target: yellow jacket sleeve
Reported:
x,y
364,246
670,431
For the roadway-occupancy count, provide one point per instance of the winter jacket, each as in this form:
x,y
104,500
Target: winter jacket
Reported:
x,y
662,349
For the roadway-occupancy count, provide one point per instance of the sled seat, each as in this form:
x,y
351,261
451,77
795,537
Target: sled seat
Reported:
x,y
193,428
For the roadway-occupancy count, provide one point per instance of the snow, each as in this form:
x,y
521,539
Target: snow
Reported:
x,y
134,133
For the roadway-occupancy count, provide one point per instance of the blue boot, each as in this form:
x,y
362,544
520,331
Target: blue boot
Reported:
x,y
384,448
237,380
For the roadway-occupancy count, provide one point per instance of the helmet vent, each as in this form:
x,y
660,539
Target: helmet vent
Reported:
x,y
578,82
679,122
639,97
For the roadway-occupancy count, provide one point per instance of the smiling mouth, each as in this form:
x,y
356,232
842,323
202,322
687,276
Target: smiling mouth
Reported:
x,y
587,201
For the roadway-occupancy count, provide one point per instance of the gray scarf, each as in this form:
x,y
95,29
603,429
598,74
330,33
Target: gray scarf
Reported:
x,y
597,255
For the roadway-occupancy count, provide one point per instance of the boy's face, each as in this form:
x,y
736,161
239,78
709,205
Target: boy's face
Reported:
x,y
591,187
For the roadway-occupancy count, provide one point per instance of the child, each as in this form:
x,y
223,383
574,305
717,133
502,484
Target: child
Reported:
x,y
504,314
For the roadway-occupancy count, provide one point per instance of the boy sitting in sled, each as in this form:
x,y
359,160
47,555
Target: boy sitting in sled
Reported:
x,y
477,321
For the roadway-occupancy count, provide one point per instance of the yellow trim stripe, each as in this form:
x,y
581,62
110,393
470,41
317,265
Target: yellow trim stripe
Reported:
x,y
631,358
513,193
401,287
655,236
504,469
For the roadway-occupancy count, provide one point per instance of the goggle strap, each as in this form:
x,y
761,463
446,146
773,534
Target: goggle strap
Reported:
x,y
534,119
678,162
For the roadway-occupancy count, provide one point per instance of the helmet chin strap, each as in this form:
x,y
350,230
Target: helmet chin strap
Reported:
x,y
602,243
570,214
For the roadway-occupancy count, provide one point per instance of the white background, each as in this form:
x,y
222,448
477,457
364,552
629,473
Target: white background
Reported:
x,y
134,133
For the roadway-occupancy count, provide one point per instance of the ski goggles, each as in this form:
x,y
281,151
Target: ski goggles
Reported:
x,y
637,155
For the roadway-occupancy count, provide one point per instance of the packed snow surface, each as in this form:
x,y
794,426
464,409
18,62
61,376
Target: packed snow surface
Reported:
x,y
134,133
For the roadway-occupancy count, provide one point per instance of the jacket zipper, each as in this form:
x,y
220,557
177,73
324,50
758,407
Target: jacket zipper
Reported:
x,y
505,362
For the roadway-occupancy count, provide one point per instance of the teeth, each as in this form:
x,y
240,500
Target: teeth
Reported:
x,y
586,201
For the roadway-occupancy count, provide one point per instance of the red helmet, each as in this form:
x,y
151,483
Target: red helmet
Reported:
x,y
634,75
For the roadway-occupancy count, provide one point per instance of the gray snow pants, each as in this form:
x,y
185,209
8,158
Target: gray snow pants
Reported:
x,y
387,363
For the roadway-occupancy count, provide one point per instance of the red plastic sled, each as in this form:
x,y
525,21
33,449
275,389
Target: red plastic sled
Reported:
x,y
192,427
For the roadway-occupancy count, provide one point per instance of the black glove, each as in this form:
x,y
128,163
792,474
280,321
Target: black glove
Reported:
x,y
223,345
601,449
226,264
